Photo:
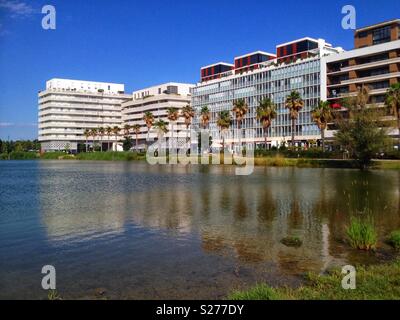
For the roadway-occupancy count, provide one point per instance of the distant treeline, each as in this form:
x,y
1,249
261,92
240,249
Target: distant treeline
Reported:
x,y
19,146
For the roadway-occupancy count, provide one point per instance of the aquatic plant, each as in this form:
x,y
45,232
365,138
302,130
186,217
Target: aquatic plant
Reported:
x,y
394,239
292,242
362,233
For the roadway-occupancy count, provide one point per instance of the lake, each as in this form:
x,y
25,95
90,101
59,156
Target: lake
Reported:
x,y
129,230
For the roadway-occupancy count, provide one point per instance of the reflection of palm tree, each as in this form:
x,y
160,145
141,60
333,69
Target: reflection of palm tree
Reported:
x,y
294,103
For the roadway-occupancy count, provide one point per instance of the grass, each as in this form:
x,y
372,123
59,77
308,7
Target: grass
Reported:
x,y
53,295
362,234
103,156
375,282
394,239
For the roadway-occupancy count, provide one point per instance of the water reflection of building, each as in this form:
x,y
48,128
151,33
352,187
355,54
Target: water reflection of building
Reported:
x,y
240,217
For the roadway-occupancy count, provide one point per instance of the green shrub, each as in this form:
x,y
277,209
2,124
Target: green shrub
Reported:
x,y
19,155
362,234
394,239
52,155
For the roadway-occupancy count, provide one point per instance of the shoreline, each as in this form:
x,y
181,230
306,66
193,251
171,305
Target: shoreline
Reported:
x,y
259,161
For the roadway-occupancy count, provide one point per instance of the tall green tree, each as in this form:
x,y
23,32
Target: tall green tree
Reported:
x,y
224,122
361,134
205,116
101,132
187,112
86,133
294,103
266,112
109,132
149,120
172,115
116,130
240,109
322,115
393,102
136,131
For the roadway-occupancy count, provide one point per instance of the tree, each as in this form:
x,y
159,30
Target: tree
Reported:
x,y
136,131
101,131
172,115
127,129
187,112
161,126
205,116
266,112
224,122
149,120
93,133
294,103
86,133
240,108
109,131
361,134
116,131
322,115
127,143
393,102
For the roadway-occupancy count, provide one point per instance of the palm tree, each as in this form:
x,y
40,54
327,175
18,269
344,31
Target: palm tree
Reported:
x,y
136,130
322,115
116,131
205,116
93,133
109,131
224,122
240,109
172,115
266,112
127,129
393,102
187,112
149,120
86,133
161,125
294,103
101,131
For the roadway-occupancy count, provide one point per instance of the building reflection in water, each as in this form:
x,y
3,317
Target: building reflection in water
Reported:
x,y
244,217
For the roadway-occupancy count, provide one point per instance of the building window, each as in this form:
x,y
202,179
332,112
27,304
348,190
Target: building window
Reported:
x,y
363,34
381,35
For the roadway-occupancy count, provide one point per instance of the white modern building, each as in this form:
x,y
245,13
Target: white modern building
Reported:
x,y
157,100
68,107
258,75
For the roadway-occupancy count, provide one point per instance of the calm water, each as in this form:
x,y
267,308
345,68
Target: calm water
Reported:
x,y
154,232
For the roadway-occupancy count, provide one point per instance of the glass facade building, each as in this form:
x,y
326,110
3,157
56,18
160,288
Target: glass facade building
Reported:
x,y
275,81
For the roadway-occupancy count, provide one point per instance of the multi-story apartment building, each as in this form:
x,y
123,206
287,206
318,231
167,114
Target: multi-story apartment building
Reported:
x,y
68,107
373,63
295,66
157,100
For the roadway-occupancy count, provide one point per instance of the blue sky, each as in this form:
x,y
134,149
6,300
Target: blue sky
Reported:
x,y
144,43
